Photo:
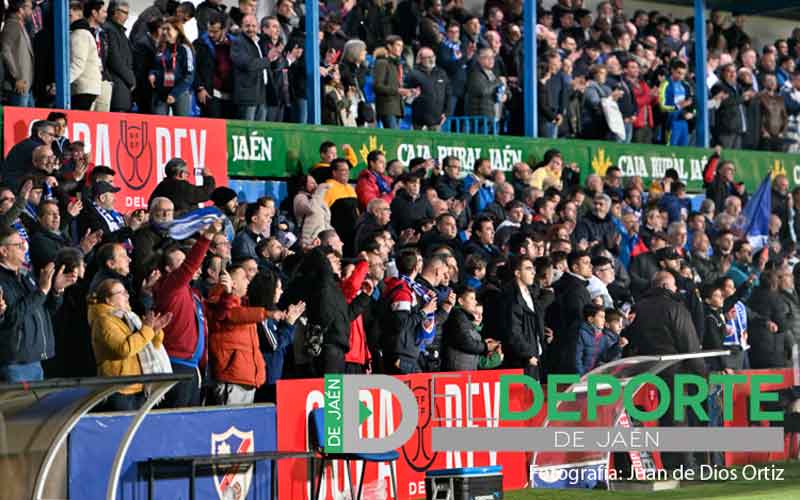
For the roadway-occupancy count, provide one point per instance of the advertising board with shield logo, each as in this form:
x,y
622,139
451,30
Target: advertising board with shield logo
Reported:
x,y
465,399
136,146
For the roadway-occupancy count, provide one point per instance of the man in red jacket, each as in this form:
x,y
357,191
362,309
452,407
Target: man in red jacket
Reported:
x,y
185,338
373,182
236,360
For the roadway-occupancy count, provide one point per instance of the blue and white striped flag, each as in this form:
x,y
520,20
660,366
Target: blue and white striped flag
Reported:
x,y
192,222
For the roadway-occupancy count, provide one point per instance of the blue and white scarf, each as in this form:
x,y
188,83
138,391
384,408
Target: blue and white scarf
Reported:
x,y
23,233
427,331
192,222
736,326
112,218
383,186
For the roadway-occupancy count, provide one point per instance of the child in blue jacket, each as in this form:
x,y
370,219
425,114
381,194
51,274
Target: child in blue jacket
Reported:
x,y
596,343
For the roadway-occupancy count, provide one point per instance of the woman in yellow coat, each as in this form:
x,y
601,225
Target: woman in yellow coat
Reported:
x,y
118,338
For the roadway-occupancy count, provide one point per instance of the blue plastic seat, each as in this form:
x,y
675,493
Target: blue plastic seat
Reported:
x,y
317,437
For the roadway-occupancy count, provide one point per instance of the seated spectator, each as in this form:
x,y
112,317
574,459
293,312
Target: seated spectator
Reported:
x,y
122,341
373,182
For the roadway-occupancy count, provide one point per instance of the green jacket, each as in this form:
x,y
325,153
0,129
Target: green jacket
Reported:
x,y
387,85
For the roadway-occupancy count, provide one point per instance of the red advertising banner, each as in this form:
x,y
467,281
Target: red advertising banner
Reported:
x,y
467,400
136,146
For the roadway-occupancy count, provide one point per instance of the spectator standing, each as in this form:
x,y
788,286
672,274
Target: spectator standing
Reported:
x,y
119,63
176,186
18,55
465,349
144,53
731,122
258,220
214,75
156,12
408,206
119,338
564,316
85,66
250,73
523,321
172,71
455,57
484,89
429,109
389,84
774,119
208,10
278,82
343,203
675,100
27,306
235,358
186,336
20,156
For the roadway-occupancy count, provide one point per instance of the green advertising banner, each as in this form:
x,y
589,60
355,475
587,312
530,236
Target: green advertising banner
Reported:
x,y
278,150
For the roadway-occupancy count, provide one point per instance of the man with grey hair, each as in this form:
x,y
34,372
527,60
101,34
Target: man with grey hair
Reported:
x,y
428,111
18,159
597,228
150,238
678,236
484,87
119,61
503,195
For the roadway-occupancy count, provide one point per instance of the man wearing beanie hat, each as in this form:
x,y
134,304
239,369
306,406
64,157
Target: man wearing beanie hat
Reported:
x,y
226,200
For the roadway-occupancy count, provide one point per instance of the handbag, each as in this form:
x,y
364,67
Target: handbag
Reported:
x,y
313,339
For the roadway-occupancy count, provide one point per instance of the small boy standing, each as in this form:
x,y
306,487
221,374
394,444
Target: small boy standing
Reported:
x,y
599,338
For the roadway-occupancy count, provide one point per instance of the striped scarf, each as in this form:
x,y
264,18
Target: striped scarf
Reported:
x,y
427,331
191,223
736,325
24,235
113,219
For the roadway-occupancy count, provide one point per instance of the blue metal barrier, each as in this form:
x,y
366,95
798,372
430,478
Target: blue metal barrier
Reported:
x,y
472,125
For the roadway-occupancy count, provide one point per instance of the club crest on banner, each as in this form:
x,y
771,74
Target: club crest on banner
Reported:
x,y
230,483
418,451
134,155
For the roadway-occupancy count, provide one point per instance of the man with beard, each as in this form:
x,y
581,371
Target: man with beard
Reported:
x,y
213,80
226,200
429,109
149,239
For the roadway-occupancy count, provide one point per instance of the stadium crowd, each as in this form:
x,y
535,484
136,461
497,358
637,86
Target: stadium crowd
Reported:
x,y
607,73
412,268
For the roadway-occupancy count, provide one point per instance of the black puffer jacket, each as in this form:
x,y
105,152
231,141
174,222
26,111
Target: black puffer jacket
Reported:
x,y
663,325
768,349
463,345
